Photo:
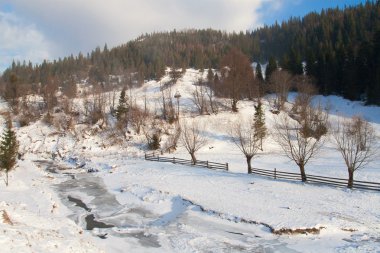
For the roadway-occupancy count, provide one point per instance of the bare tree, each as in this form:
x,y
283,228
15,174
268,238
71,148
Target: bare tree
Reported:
x,y
168,110
305,93
192,138
237,77
280,83
301,139
355,139
138,117
172,140
12,92
48,93
245,138
112,99
199,97
211,100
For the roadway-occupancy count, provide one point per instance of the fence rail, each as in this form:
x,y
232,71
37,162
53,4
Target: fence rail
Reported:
x,y
175,160
276,174
332,181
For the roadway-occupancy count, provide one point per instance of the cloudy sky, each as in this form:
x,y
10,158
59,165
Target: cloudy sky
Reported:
x,y
47,29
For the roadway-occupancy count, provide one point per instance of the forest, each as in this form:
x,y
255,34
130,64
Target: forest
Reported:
x,y
339,49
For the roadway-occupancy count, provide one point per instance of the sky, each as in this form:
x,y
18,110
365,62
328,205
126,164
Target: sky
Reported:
x,y
34,30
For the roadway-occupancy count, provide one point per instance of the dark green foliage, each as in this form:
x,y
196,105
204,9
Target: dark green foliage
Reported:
x,y
154,143
271,67
174,74
259,123
122,108
259,72
8,150
339,46
373,92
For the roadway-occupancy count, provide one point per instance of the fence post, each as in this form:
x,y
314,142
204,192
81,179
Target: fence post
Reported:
x,y
275,173
158,158
207,164
174,160
227,166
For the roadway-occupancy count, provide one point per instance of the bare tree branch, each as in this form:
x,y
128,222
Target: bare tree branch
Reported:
x,y
192,138
302,139
245,138
355,140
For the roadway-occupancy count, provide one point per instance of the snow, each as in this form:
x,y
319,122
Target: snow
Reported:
x,y
164,207
39,220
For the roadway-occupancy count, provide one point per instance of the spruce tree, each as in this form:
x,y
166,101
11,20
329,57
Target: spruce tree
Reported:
x,y
122,108
259,123
8,150
259,73
271,67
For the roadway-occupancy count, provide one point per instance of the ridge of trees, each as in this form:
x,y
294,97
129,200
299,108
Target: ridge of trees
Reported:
x,y
339,48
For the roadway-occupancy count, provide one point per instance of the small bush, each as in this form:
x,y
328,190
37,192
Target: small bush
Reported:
x,y
154,143
48,119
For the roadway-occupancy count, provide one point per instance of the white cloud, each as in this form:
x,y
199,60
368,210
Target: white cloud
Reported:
x,y
81,25
20,41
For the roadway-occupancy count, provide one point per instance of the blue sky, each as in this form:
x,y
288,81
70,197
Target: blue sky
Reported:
x,y
298,8
48,29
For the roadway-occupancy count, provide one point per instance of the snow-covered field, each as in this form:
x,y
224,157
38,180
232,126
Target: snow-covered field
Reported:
x,y
132,205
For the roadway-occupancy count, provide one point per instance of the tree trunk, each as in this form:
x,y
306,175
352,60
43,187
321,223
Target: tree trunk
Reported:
x,y
193,159
350,183
234,105
6,178
249,158
303,174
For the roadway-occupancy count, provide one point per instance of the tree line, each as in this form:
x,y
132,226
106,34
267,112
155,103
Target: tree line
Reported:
x,y
339,48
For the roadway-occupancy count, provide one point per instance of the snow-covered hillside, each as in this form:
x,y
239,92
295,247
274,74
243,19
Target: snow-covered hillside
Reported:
x,y
130,204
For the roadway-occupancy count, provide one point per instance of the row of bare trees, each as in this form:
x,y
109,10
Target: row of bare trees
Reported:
x,y
300,133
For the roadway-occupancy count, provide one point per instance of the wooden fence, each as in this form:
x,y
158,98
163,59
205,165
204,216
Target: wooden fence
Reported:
x,y
333,181
204,164
276,174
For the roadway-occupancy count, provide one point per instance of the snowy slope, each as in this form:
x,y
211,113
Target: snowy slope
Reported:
x,y
159,207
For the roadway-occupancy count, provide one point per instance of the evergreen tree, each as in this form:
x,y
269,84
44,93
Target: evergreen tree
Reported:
x,y
271,67
8,150
373,92
175,75
122,108
259,72
259,123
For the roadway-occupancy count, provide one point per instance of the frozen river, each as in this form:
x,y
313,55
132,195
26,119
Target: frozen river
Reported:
x,y
145,220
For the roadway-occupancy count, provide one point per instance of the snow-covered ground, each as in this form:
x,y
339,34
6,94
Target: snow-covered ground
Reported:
x,y
37,218
132,205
